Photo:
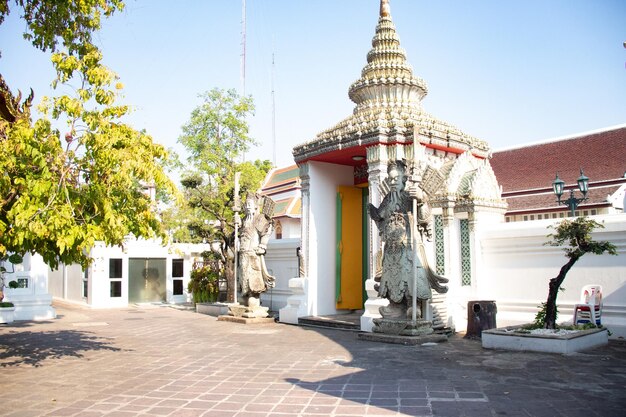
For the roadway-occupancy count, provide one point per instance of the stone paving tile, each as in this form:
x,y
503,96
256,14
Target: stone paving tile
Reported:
x,y
178,363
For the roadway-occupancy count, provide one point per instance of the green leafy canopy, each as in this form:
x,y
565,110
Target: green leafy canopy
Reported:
x,y
216,137
576,234
67,187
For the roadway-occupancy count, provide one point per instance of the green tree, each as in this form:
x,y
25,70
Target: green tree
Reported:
x,y
216,137
75,175
577,235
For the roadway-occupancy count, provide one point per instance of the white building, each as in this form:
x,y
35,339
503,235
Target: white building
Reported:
x,y
141,271
342,169
283,186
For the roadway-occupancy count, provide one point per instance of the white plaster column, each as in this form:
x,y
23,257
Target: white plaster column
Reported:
x,y
377,171
301,299
448,236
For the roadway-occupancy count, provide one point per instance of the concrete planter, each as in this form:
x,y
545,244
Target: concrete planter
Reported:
x,y
507,339
7,314
212,309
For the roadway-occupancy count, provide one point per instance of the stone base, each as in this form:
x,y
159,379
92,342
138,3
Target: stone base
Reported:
x,y
7,314
247,320
212,309
507,339
403,327
251,312
403,340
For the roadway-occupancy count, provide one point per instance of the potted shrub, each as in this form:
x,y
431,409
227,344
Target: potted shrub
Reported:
x,y
203,284
576,235
13,259
7,310
544,334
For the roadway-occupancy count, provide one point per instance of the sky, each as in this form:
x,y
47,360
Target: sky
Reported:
x,y
508,72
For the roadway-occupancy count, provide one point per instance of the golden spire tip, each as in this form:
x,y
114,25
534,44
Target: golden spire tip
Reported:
x,y
385,10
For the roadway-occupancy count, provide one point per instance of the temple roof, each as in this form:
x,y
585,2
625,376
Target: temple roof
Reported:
x,y
283,186
281,180
526,173
388,98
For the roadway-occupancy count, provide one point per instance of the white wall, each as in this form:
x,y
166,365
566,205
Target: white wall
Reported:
x,y
291,228
324,179
281,261
517,268
68,284
33,302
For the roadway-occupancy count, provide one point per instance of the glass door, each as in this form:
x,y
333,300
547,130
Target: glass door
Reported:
x,y
146,280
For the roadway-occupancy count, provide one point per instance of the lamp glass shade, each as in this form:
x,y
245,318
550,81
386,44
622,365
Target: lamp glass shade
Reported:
x,y
583,183
558,185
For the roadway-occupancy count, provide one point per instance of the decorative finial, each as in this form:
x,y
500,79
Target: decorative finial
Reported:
x,y
385,11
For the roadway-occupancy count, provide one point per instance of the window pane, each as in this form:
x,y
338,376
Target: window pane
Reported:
x,y
178,287
115,268
177,268
116,288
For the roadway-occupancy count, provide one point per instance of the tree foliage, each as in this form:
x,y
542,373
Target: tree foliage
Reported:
x,y
77,174
576,235
216,137
70,22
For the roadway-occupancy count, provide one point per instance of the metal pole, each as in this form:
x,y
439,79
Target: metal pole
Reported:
x,y
415,254
415,249
273,116
243,48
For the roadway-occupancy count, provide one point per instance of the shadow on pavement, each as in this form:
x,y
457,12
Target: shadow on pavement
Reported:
x,y
460,378
32,348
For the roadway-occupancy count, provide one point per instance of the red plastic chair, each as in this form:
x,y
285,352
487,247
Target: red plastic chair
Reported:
x,y
589,310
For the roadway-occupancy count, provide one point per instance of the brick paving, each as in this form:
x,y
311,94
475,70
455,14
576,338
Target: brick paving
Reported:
x,y
159,361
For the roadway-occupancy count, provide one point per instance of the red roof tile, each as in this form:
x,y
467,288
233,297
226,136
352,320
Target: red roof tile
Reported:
x,y
596,197
602,156
526,173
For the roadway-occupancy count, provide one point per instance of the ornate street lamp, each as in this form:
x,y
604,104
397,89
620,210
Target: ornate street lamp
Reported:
x,y
558,185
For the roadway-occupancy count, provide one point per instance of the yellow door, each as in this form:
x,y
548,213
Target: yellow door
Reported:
x,y
349,265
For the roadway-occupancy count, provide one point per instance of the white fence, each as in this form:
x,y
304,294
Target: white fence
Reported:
x,y
517,267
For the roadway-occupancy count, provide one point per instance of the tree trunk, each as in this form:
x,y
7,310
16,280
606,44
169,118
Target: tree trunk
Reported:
x,y
553,292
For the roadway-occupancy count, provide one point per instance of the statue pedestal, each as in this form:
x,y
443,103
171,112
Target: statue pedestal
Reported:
x,y
238,313
403,331
245,320
404,327
256,312
403,340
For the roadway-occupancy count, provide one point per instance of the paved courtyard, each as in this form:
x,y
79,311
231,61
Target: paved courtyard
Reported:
x,y
159,361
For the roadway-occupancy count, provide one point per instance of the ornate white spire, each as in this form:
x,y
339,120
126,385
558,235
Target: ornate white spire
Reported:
x,y
387,80
388,100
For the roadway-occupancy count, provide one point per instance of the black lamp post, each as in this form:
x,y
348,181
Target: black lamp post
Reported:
x,y
572,202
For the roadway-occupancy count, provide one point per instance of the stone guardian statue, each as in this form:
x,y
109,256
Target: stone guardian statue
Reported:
x,y
255,233
405,272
